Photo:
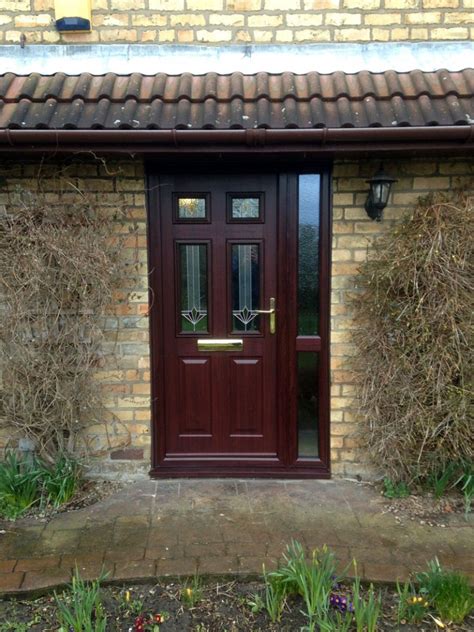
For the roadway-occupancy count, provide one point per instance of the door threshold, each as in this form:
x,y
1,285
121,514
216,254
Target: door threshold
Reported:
x,y
184,471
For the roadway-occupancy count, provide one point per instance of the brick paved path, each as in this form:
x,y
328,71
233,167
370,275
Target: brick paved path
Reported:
x,y
155,528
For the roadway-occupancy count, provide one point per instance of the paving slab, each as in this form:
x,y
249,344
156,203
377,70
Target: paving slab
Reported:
x,y
220,527
7,566
38,563
140,569
48,578
10,583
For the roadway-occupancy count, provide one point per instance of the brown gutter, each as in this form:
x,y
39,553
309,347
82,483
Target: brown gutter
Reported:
x,y
155,140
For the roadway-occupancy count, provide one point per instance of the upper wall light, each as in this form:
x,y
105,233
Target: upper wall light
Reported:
x,y
379,191
73,16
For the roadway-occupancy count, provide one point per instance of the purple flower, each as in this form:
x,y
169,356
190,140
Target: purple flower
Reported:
x,y
340,602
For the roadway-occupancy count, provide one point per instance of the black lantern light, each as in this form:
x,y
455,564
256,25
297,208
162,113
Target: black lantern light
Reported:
x,y
377,199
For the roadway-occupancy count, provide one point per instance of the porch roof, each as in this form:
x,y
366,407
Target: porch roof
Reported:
x,y
324,114
237,102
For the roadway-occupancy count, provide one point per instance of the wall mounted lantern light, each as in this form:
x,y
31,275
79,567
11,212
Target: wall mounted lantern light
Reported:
x,y
73,15
379,191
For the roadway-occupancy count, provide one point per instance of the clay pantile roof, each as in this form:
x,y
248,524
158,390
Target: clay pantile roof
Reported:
x,y
237,101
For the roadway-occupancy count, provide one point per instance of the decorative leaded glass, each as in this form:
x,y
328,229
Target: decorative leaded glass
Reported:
x,y
245,287
193,265
245,208
191,207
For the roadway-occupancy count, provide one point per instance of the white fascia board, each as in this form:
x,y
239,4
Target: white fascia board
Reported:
x,y
150,59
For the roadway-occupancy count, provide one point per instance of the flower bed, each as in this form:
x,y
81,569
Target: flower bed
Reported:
x,y
304,593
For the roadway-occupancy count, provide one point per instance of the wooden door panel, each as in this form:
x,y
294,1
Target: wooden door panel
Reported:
x,y
246,397
194,397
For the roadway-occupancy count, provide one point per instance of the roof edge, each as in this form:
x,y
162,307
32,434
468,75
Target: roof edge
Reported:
x,y
317,140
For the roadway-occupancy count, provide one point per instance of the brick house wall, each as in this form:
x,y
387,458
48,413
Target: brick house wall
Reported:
x,y
124,450
244,21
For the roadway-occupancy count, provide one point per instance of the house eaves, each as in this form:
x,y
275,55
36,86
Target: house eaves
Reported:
x,y
335,112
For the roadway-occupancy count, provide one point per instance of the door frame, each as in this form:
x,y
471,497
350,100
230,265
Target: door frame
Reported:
x,y
287,262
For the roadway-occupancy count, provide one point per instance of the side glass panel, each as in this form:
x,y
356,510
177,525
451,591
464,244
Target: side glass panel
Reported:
x,y
245,262
192,207
245,207
307,369
193,287
308,255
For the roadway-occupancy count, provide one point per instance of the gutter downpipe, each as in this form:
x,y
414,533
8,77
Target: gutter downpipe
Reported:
x,y
151,140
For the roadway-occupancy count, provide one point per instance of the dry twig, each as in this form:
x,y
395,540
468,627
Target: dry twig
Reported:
x,y
60,264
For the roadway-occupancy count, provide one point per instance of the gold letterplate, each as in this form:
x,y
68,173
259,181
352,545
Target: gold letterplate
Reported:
x,y
217,344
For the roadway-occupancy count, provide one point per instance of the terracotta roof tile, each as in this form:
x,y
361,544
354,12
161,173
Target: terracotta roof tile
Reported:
x,y
213,101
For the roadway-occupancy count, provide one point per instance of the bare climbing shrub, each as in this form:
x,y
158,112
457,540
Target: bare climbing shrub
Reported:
x,y
60,268
414,334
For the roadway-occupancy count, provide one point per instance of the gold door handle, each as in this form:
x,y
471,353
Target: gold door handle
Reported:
x,y
271,312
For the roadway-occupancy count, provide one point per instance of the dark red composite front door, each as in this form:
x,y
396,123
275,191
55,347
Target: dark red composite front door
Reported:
x,y
219,239
239,324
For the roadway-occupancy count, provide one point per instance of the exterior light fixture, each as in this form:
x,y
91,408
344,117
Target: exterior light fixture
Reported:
x,y
377,199
73,16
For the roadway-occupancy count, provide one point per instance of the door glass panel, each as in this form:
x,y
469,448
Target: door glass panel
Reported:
x,y
245,287
193,291
191,207
308,255
245,207
307,369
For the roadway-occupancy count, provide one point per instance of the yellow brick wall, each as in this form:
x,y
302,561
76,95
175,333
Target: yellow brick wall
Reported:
x,y
244,21
121,443
353,233
125,448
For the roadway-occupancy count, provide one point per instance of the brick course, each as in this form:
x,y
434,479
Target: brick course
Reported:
x,y
237,21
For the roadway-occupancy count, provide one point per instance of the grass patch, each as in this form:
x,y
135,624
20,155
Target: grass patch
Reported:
x,y
392,489
19,486
192,592
448,591
27,484
80,608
